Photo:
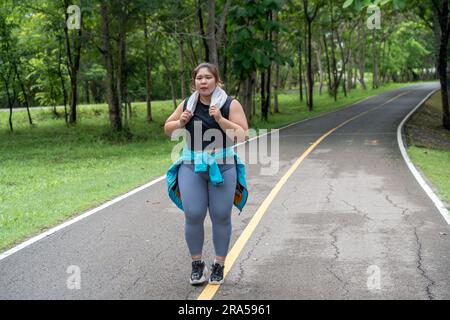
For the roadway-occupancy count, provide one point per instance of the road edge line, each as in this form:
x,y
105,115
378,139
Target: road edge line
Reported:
x,y
77,218
419,178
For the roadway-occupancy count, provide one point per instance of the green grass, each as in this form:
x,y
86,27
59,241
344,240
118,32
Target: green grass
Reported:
x,y
430,145
50,172
435,164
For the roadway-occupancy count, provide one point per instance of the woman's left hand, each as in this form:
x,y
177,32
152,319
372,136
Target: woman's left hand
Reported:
x,y
215,113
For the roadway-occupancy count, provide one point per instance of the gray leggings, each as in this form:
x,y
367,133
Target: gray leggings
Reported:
x,y
198,194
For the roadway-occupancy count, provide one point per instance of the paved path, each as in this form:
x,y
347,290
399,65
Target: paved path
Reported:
x,y
350,211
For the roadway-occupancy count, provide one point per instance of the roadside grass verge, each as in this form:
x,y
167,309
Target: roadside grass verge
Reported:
x,y
429,145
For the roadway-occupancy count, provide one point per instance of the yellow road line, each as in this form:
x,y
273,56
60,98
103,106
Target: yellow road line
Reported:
x,y
210,290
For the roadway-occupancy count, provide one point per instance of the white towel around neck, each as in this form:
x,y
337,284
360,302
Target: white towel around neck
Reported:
x,y
218,99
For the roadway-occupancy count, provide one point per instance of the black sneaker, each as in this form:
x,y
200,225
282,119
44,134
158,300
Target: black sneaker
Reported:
x,y
216,274
199,271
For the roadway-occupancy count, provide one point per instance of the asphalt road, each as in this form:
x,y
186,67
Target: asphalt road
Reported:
x,y
350,223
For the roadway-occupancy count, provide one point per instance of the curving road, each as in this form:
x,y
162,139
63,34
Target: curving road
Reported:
x,y
351,222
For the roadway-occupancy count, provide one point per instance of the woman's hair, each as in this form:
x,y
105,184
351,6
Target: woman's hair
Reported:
x,y
212,68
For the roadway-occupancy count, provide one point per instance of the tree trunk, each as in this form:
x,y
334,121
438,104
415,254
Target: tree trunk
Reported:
x,y
121,62
25,96
310,75
350,69
319,64
277,69
182,68
375,83
444,24
11,101
300,70
269,74
11,104
334,67
247,94
344,63
202,30
63,85
73,63
362,55
443,79
212,32
290,78
148,72
383,60
284,78
221,37
86,91
73,97
263,96
224,63
268,86
193,56
329,83
111,94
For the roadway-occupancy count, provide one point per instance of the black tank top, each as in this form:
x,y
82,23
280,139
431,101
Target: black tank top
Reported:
x,y
203,120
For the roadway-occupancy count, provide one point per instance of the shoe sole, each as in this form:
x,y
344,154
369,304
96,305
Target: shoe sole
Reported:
x,y
215,282
202,279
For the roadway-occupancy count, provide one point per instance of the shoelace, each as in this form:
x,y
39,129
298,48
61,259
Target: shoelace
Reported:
x,y
197,269
217,271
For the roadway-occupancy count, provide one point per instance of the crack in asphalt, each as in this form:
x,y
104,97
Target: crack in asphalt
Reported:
x,y
121,270
333,243
330,192
139,278
420,267
430,282
344,287
63,234
364,214
249,253
336,257
158,254
404,215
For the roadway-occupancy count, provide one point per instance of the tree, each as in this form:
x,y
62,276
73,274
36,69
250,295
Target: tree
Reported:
x,y
73,47
310,16
111,93
212,44
250,51
435,14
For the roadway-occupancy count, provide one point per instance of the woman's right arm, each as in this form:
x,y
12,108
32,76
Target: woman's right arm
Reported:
x,y
177,120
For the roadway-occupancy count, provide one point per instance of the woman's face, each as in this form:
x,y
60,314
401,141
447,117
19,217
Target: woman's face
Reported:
x,y
205,83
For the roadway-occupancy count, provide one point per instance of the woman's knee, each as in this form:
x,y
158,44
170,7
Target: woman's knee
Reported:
x,y
220,216
195,215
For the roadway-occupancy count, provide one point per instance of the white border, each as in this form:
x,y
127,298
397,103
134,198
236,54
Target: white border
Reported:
x,y
113,201
437,202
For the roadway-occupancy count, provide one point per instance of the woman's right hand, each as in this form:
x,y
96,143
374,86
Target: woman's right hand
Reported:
x,y
185,117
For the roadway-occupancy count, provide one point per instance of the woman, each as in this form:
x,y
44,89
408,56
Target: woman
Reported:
x,y
209,174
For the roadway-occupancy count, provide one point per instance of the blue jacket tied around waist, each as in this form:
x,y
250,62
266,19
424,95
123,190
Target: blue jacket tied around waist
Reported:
x,y
206,162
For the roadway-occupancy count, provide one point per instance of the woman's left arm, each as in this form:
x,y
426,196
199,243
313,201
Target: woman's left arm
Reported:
x,y
236,126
